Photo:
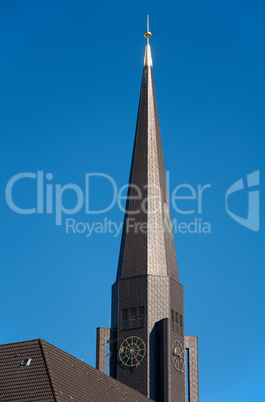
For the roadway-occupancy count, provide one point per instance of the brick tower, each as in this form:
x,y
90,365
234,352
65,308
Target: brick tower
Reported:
x,y
148,349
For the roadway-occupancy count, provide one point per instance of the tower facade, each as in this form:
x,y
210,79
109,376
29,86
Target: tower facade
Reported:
x,y
147,342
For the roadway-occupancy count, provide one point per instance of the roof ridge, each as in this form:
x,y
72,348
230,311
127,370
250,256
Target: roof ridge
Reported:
x,y
41,341
15,343
61,350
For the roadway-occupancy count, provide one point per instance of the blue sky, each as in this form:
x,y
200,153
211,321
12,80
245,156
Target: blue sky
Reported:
x,y
70,82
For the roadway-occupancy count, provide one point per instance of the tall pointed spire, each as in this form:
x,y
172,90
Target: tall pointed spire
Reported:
x,y
147,343
147,298
147,246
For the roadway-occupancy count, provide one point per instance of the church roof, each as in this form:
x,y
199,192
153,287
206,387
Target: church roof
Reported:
x,y
147,246
38,371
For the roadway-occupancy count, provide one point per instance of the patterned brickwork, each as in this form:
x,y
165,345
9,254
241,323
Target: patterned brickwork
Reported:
x,y
133,293
177,379
103,336
147,246
156,253
158,308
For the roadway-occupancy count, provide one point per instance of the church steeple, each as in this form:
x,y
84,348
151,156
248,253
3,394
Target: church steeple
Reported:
x,y
147,246
147,295
147,343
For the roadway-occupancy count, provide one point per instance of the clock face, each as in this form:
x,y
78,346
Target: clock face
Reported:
x,y
132,351
177,353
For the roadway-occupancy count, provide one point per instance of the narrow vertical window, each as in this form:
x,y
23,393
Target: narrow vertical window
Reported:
x,y
188,374
141,316
181,324
172,319
132,317
177,322
124,319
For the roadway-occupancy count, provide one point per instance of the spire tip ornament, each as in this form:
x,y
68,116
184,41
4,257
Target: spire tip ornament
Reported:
x,y
147,34
147,56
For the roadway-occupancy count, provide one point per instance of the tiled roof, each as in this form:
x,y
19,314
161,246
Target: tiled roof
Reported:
x,y
54,375
24,383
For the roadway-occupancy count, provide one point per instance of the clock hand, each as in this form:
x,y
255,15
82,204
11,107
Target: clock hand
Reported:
x,y
138,364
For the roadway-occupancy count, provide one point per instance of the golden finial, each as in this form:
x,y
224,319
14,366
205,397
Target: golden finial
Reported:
x,y
147,34
147,56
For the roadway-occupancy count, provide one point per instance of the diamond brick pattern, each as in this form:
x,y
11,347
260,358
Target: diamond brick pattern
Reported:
x,y
151,251
103,336
191,343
